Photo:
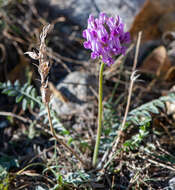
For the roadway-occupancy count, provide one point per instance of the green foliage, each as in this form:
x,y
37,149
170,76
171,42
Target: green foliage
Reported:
x,y
55,120
165,158
142,115
4,183
77,178
4,2
111,125
110,117
3,174
41,188
72,178
6,163
27,95
137,139
59,178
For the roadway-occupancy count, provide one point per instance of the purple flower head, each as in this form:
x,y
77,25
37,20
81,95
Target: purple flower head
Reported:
x,y
106,37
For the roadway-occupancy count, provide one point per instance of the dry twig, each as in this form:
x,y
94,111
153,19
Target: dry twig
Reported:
x,y
43,69
133,79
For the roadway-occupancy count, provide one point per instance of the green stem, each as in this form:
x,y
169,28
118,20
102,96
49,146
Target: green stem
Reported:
x,y
100,114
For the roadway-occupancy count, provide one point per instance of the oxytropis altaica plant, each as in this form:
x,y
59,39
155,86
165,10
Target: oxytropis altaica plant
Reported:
x,y
106,38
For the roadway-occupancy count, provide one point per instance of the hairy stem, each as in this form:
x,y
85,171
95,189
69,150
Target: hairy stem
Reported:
x,y
100,114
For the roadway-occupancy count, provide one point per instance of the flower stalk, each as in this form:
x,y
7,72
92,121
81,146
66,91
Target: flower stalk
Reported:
x,y
106,38
100,114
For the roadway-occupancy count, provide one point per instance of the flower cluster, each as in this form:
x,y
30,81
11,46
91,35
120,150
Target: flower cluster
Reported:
x,y
105,37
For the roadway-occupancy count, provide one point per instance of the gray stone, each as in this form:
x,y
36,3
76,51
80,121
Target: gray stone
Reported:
x,y
79,10
3,124
172,183
76,88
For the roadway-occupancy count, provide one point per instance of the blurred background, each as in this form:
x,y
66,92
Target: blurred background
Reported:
x,y
73,80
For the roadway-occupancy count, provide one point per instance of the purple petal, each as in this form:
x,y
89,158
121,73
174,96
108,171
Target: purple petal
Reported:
x,y
94,55
127,37
123,50
84,34
108,60
94,34
95,46
91,22
105,37
87,45
102,18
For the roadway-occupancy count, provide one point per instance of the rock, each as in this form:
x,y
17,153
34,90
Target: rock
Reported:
x,y
145,49
170,106
167,23
3,124
155,18
172,184
79,10
169,40
157,62
76,89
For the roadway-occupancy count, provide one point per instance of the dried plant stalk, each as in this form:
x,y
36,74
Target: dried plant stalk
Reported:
x,y
43,69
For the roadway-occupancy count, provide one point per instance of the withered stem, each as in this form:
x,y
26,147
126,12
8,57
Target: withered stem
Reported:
x,y
61,141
